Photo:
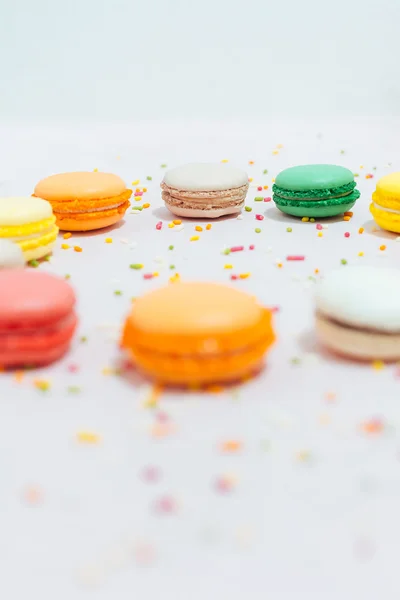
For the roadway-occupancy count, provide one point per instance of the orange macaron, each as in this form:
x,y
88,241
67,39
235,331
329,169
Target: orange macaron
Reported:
x,y
83,201
197,333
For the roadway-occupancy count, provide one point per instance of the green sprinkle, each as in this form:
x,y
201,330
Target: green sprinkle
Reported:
x,y
136,266
343,152
374,168
83,339
356,174
137,207
289,229
248,208
172,267
343,261
118,293
312,220
226,251
73,389
33,263
67,276
149,178
257,230
163,166
258,199
170,247
295,360
265,172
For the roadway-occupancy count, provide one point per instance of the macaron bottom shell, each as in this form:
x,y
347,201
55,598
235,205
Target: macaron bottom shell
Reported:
x,y
70,223
314,209
385,220
174,370
363,345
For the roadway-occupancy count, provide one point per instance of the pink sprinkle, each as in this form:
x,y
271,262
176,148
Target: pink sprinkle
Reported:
x,y
234,277
151,474
259,217
136,194
296,257
236,248
347,234
275,309
268,199
159,225
148,276
224,485
73,368
259,188
318,226
162,417
251,247
165,505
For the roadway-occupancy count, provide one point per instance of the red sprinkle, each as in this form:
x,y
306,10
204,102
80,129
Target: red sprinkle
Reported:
x,y
259,217
148,276
234,277
347,234
236,248
318,226
159,225
259,188
251,247
296,257
267,199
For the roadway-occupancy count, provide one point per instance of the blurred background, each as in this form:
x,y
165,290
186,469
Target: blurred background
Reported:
x,y
158,59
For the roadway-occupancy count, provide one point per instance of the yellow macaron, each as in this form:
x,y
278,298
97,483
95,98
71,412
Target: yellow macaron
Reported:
x,y
30,223
385,205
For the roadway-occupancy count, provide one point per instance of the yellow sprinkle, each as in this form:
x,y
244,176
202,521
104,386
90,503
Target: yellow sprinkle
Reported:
x,y
106,371
228,267
279,146
360,254
273,181
87,437
174,278
361,166
65,246
265,187
95,170
108,240
320,234
146,205
155,274
303,455
279,265
171,225
225,160
305,219
250,179
194,238
136,182
18,376
275,152
42,384
361,230
177,222
208,227
316,271
198,228
347,218
137,190
378,365
144,190
67,235
77,249
251,162
244,275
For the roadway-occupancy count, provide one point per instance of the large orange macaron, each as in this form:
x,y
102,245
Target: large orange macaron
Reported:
x,y
83,201
197,333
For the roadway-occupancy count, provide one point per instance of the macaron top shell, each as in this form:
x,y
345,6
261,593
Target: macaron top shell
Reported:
x,y
33,299
365,297
389,185
205,177
90,185
23,210
11,255
318,177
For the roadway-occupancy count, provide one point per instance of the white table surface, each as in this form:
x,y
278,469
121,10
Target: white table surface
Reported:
x,y
313,509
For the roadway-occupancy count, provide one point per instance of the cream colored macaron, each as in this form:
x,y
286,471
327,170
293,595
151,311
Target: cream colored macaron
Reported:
x,y
205,190
30,223
358,312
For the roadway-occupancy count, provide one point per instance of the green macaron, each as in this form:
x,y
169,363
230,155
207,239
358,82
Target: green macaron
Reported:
x,y
315,191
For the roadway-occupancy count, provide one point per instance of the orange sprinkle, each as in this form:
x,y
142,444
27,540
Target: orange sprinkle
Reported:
x,y
65,246
330,396
251,162
231,446
153,397
347,218
244,275
137,190
67,235
77,249
372,426
160,430
361,230
316,271
32,495
144,189
208,227
383,247
348,213
146,205
198,228
279,265
18,376
265,187
108,240
177,222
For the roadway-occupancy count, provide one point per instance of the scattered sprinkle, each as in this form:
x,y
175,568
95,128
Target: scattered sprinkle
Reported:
x,y
117,293
259,217
146,205
136,266
235,249
228,266
257,230
373,426
108,240
65,246
383,247
198,228
67,235
248,208
346,218
289,229
231,446
194,238
347,234
295,257
343,261
361,230
159,225
378,365
42,384
208,226
88,437
149,178
258,198
360,254
77,249
305,219
268,199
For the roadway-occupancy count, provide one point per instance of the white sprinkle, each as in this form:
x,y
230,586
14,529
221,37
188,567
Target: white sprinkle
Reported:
x,y
159,260
325,226
239,217
178,227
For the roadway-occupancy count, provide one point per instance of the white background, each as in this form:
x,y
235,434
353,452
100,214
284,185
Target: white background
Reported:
x,y
134,59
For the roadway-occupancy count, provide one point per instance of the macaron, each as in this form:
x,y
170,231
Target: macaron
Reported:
x,y
197,333
204,190
385,205
30,223
84,201
315,191
358,312
11,255
37,317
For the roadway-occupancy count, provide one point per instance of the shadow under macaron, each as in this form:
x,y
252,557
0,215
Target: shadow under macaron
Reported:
x,y
374,229
274,214
163,213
